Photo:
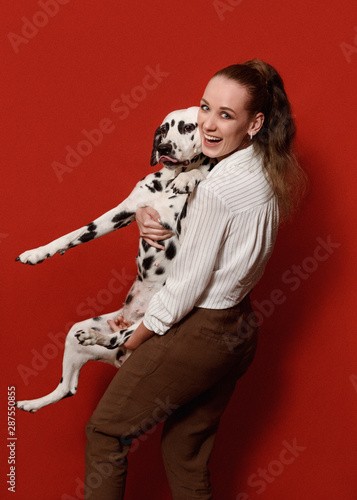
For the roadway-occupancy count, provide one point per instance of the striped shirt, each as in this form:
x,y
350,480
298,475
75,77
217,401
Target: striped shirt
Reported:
x,y
229,235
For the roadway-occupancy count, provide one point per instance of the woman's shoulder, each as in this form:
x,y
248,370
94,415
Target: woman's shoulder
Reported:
x,y
240,183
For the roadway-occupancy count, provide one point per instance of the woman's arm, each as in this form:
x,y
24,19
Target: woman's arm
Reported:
x,y
191,271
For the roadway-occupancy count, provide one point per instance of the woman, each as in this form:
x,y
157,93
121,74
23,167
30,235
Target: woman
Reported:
x,y
199,335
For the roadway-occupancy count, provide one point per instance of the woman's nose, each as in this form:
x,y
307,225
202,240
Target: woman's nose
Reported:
x,y
209,123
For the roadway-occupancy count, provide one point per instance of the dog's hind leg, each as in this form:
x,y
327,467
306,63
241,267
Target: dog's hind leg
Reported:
x,y
74,358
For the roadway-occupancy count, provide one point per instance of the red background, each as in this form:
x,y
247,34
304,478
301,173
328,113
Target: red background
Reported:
x,y
302,386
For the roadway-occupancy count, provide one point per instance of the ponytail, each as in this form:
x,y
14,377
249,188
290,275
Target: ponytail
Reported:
x,y
275,139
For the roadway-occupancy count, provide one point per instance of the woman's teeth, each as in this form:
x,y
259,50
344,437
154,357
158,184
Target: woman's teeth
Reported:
x,y
210,138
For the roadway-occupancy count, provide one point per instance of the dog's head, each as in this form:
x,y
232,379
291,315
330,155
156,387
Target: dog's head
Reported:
x,y
177,141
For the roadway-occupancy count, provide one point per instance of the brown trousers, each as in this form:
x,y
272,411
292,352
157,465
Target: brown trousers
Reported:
x,y
185,377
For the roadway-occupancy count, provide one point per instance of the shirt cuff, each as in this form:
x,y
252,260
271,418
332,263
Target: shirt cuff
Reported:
x,y
155,326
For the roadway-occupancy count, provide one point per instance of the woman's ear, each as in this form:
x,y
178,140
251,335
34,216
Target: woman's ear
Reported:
x,y
256,124
157,140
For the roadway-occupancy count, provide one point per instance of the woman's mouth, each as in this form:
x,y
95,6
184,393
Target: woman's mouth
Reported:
x,y
211,140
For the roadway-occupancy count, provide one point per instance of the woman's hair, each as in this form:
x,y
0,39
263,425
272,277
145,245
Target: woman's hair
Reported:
x,y
274,140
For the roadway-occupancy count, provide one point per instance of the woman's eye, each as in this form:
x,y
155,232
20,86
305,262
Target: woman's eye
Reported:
x,y
225,115
204,107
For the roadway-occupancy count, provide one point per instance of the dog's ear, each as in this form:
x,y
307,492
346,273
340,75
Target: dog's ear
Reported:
x,y
157,140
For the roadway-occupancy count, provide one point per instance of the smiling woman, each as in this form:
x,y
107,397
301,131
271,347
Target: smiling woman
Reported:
x,y
199,332
224,120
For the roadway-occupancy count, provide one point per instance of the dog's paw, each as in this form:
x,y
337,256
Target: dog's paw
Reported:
x,y
87,337
187,181
35,256
183,183
29,406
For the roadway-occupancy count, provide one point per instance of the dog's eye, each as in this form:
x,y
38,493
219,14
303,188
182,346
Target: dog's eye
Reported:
x,y
189,128
164,129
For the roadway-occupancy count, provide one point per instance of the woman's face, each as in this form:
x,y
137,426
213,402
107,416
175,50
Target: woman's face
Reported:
x,y
223,119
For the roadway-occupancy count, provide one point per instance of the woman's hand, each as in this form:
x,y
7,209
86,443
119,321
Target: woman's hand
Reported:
x,y
150,228
120,322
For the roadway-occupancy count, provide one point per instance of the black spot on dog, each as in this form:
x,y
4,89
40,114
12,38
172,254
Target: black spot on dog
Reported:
x,y
61,380
157,185
96,329
145,245
122,219
181,126
192,138
172,123
119,354
158,174
147,262
127,335
172,197
159,271
129,299
184,211
97,318
178,227
68,395
166,226
150,188
139,278
111,347
90,235
170,250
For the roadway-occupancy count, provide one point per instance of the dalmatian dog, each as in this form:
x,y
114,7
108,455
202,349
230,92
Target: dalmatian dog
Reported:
x,y
177,148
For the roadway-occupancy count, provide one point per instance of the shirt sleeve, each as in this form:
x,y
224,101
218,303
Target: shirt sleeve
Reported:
x,y
191,271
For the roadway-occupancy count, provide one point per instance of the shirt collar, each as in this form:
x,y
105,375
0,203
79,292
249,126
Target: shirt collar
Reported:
x,y
240,157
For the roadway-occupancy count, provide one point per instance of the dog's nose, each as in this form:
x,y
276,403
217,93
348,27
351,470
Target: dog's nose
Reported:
x,y
164,149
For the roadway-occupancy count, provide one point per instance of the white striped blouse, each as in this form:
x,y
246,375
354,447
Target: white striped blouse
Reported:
x,y
229,235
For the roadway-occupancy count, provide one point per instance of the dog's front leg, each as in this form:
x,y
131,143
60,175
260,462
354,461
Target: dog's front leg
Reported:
x,y
118,217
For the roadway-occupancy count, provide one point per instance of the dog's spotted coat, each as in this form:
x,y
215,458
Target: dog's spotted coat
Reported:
x,y
177,146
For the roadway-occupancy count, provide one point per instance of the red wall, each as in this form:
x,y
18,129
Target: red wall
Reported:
x,y
66,75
